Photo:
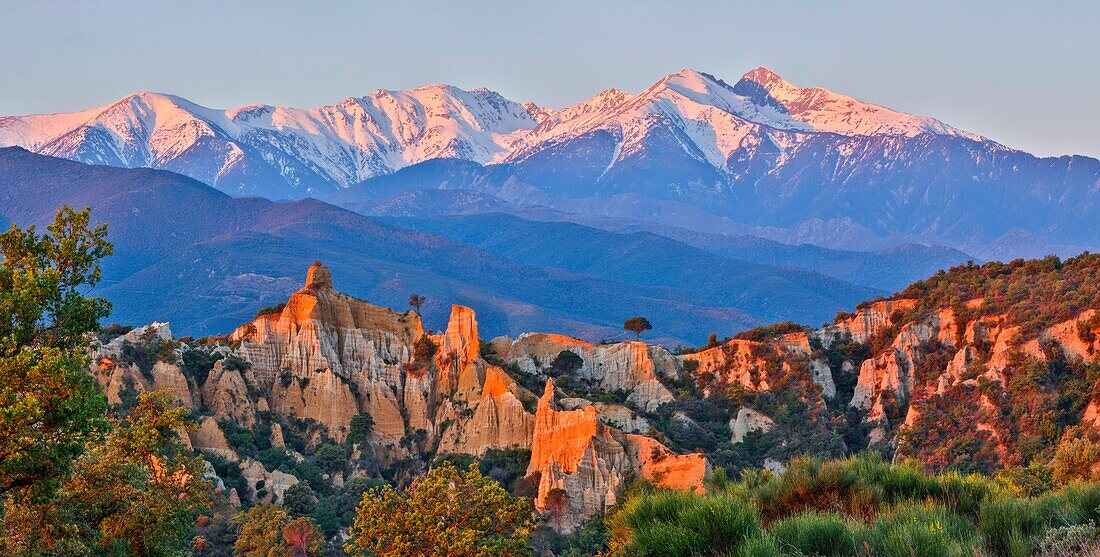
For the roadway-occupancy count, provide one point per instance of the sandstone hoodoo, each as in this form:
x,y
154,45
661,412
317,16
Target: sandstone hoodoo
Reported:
x,y
312,371
966,370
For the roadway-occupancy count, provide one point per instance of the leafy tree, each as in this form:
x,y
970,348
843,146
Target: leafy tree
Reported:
x,y
566,362
416,301
50,408
362,425
332,457
138,493
637,325
267,531
303,537
444,514
300,499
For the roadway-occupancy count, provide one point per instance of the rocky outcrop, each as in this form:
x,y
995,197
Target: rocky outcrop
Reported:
x,y
490,415
208,437
614,415
658,464
581,462
749,420
870,319
226,394
266,486
633,367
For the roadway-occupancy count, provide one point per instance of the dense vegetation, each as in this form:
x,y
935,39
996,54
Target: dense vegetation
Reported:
x,y
1032,293
860,506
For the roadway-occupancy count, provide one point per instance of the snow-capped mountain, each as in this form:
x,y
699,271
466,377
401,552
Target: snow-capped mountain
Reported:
x,y
277,151
289,152
690,151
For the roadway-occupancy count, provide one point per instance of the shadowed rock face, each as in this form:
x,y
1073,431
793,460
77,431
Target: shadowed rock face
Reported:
x,y
326,357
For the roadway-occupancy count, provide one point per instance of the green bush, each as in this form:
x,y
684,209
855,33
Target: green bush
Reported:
x,y
922,531
677,523
828,535
857,506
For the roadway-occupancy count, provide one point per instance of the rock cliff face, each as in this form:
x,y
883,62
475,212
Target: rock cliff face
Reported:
x,y
309,368
633,367
581,462
974,383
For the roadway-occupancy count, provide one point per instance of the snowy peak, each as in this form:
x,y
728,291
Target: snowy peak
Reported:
x,y
824,110
290,152
767,79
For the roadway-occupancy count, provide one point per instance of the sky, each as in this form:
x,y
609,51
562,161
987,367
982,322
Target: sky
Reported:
x,y
1026,74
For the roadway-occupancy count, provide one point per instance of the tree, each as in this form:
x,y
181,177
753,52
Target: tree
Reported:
x,y
303,537
300,499
359,430
416,300
261,532
566,362
50,408
444,514
138,493
267,531
332,457
637,325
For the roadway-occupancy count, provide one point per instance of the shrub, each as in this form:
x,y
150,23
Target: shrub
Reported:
x,y
818,534
676,523
566,362
922,531
271,310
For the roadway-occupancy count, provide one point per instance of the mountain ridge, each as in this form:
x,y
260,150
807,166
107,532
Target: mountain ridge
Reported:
x,y
804,164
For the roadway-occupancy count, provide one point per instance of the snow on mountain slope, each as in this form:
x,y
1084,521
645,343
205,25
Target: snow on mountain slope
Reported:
x,y
718,120
310,149
685,119
824,110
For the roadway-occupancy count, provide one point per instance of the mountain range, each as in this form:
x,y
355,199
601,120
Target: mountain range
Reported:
x,y
760,157
178,239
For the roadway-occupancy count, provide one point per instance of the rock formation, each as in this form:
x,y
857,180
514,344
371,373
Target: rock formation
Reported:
x,y
313,365
581,462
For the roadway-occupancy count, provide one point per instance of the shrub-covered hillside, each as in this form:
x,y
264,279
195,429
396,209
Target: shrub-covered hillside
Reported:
x,y
862,506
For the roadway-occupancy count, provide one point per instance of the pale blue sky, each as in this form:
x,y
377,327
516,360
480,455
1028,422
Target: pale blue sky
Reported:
x,y
1024,74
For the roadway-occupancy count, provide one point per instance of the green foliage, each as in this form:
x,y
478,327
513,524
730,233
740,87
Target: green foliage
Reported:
x,y
674,524
424,349
416,301
766,332
828,535
331,457
197,363
299,499
637,325
271,310
149,350
138,493
113,331
359,431
50,408
856,506
1032,293
566,362
914,530
590,538
446,513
